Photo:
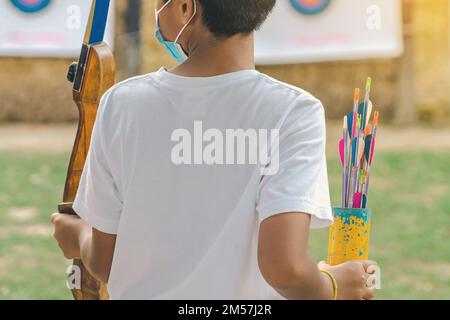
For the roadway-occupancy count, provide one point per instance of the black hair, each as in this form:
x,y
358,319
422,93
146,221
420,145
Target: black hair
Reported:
x,y
226,18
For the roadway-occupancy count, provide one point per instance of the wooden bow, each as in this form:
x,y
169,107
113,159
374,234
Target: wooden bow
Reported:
x,y
92,76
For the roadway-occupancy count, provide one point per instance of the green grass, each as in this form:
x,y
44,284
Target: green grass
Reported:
x,y
31,265
409,197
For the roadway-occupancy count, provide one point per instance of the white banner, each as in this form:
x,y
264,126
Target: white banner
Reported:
x,y
301,31
46,28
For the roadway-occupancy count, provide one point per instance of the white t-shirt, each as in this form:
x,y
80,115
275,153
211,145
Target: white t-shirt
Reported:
x,y
190,231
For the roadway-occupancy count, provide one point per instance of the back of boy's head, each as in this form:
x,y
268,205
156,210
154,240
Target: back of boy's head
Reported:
x,y
226,18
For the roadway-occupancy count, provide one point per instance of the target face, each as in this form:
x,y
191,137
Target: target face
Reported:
x,y
310,7
30,6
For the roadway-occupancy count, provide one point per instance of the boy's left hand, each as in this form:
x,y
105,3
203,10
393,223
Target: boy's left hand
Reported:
x,y
68,229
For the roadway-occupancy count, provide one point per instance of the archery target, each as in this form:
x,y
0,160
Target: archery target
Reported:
x,y
30,6
46,28
310,7
305,31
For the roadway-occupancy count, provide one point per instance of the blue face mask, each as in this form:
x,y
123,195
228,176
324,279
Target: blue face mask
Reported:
x,y
173,47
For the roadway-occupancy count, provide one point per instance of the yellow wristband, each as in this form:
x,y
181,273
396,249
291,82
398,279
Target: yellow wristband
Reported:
x,y
333,279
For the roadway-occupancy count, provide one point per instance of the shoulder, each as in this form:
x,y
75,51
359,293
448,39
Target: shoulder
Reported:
x,y
134,86
289,90
298,104
302,113
127,93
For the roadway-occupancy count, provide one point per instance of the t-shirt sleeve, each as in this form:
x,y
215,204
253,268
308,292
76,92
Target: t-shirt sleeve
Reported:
x,y
301,182
98,201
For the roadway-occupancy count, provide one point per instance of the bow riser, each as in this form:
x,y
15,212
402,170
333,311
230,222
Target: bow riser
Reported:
x,y
93,75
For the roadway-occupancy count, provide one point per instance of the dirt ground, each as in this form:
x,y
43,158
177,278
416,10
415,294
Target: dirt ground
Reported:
x,y
25,138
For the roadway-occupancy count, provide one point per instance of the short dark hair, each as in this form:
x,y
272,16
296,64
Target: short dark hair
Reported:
x,y
226,18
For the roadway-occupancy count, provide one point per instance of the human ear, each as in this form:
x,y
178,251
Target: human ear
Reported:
x,y
185,10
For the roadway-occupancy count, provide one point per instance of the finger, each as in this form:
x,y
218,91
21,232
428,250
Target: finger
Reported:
x,y
369,294
372,281
322,264
53,217
368,263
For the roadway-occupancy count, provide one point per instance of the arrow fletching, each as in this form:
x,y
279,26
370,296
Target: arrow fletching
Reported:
x,y
354,142
368,130
362,176
369,113
367,147
349,117
357,200
376,118
361,109
358,122
341,151
364,201
361,147
369,84
356,97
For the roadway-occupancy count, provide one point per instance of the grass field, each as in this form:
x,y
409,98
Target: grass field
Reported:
x,y
409,197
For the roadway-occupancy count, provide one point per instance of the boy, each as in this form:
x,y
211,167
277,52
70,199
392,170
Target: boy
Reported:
x,y
164,216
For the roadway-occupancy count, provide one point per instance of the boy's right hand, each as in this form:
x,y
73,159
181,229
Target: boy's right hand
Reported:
x,y
352,279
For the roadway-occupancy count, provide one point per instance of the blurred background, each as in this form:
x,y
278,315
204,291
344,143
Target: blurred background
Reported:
x,y
404,45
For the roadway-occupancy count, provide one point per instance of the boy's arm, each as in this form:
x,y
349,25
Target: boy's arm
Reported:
x,y
79,240
287,266
284,260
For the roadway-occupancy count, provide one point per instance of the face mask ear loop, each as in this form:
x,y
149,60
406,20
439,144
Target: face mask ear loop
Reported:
x,y
186,25
157,12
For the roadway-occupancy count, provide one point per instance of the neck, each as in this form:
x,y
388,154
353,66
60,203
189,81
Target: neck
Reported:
x,y
211,58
